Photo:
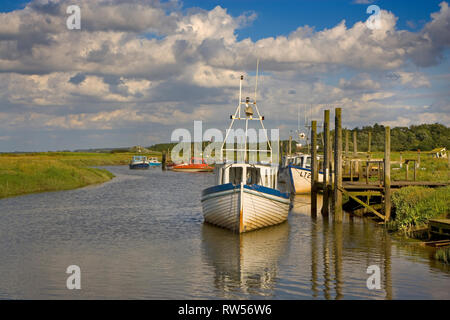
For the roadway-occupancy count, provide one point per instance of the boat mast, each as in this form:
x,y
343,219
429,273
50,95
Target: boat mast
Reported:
x,y
248,116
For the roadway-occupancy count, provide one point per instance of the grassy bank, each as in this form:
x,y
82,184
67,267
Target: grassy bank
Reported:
x,y
414,206
53,171
430,169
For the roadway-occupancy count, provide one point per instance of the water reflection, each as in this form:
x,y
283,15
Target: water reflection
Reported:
x,y
245,263
340,254
142,235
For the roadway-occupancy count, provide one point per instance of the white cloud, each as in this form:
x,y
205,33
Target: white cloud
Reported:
x,y
150,62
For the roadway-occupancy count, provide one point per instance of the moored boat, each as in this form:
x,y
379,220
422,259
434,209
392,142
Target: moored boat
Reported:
x,y
246,195
153,162
139,162
195,165
297,173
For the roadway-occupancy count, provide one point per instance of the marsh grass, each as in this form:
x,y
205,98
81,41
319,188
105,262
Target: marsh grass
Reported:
x,y
430,169
414,206
443,255
52,171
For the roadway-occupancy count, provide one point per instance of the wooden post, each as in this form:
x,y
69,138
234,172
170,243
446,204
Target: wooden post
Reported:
x,y
351,170
369,142
367,171
326,160
163,160
387,174
290,145
338,215
407,169
418,158
347,133
379,172
347,146
401,160
314,169
414,172
357,166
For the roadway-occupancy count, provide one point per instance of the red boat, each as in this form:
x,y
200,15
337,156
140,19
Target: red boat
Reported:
x,y
195,165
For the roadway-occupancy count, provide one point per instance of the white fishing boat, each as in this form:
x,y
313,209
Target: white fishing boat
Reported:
x,y
297,173
246,195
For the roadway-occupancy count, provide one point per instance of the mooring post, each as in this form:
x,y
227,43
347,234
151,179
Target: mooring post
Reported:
x,y
163,160
290,145
357,166
326,160
401,160
347,147
347,134
418,158
338,215
314,169
367,170
387,174
407,168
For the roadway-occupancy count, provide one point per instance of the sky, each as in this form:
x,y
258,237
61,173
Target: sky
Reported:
x,y
137,70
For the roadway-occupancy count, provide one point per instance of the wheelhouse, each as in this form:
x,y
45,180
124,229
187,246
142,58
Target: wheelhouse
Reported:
x,y
139,158
249,174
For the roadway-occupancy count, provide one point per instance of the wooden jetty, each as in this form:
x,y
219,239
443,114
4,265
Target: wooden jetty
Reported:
x,y
440,227
353,176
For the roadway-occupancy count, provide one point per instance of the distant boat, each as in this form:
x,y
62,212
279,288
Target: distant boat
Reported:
x,y
246,196
195,165
297,173
139,162
153,162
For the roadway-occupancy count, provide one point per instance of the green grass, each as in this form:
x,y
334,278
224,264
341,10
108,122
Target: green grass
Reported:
x,y
430,169
414,206
443,255
52,171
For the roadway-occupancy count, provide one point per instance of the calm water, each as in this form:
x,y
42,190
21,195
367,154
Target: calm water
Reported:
x,y
141,236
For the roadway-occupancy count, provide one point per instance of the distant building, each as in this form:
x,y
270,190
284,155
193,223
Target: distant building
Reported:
x,y
438,153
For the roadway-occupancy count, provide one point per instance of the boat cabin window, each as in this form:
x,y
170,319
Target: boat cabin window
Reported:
x,y
253,176
235,175
308,162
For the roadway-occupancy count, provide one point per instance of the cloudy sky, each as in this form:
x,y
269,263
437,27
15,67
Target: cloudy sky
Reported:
x,y
138,69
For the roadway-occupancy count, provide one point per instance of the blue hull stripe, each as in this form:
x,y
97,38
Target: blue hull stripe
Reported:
x,y
139,166
219,188
255,187
270,191
298,167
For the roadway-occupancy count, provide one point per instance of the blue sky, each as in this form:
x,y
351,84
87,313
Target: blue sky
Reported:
x,y
283,16
277,17
134,73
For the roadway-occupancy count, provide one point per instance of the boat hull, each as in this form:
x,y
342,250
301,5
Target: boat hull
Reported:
x,y
154,164
139,166
243,208
192,169
300,179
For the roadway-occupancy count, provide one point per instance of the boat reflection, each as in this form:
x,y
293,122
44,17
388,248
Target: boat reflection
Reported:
x,y
301,204
244,263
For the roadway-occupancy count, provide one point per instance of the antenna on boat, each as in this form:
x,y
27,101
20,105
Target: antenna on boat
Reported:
x,y
256,81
